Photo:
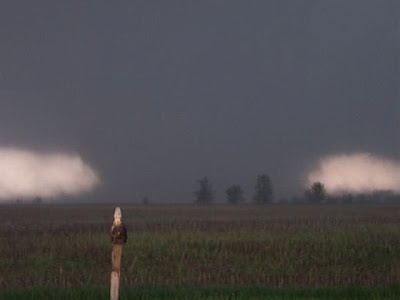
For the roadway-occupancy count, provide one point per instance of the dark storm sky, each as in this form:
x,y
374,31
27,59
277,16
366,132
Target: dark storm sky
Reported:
x,y
156,94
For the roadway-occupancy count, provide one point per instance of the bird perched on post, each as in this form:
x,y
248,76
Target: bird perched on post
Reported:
x,y
118,232
118,237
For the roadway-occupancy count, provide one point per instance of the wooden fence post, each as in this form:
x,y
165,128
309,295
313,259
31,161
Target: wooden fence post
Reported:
x,y
118,237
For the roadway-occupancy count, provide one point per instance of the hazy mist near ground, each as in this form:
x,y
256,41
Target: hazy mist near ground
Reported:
x,y
27,174
356,173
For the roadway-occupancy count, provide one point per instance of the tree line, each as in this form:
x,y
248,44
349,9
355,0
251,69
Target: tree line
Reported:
x,y
264,194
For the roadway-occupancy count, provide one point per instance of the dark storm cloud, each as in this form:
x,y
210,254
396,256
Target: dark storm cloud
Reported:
x,y
156,94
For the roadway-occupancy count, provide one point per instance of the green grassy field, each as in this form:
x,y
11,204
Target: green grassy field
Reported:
x,y
209,252
171,292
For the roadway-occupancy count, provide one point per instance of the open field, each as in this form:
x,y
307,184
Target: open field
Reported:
x,y
231,247
172,292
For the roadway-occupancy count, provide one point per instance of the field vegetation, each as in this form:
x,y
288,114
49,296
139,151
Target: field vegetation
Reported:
x,y
232,248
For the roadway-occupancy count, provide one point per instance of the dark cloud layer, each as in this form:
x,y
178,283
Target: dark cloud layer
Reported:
x,y
156,94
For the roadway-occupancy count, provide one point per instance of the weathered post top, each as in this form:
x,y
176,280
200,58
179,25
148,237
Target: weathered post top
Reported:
x,y
118,233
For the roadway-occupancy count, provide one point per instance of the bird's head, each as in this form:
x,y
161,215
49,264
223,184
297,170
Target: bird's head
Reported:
x,y
117,216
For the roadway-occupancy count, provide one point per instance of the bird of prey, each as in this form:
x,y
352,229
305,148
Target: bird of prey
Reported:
x,y
118,232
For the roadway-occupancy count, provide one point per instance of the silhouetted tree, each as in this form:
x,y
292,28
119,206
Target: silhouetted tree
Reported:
x,y
317,193
37,201
235,194
263,190
206,193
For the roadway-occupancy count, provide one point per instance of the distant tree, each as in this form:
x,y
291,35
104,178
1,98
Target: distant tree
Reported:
x,y
235,194
206,193
145,200
317,193
263,190
37,201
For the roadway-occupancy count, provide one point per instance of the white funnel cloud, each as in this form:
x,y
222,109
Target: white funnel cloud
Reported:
x,y
356,173
27,174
